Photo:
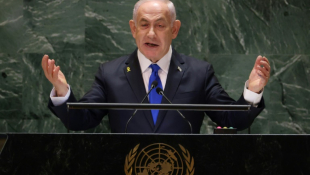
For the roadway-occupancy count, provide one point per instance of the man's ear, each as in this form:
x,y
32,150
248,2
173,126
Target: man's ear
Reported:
x,y
175,28
133,28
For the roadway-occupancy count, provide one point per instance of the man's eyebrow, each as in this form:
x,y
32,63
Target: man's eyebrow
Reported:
x,y
144,20
160,19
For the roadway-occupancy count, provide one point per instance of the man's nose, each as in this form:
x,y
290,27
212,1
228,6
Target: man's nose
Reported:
x,y
151,33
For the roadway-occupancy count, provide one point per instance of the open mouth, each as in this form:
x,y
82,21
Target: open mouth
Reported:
x,y
151,44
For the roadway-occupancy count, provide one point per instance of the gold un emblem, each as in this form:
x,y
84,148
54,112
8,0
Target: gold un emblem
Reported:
x,y
159,159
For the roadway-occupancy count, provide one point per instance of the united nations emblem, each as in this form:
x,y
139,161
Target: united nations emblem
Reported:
x,y
159,159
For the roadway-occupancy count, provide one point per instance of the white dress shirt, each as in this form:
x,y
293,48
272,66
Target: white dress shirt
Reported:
x,y
164,63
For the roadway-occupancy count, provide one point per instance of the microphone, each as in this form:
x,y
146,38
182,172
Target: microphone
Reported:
x,y
161,92
153,85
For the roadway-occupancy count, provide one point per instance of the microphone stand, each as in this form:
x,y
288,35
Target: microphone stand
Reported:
x,y
154,84
160,92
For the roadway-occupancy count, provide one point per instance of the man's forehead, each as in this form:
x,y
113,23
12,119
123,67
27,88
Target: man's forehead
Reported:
x,y
154,4
153,9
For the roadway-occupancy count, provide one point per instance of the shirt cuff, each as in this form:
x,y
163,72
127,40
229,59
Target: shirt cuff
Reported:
x,y
57,101
252,97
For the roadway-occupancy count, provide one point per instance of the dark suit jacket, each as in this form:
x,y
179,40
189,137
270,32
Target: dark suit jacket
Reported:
x,y
195,84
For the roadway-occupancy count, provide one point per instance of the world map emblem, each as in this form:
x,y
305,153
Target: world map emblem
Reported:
x,y
159,159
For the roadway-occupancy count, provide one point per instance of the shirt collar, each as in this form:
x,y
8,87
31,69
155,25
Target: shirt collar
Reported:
x,y
163,63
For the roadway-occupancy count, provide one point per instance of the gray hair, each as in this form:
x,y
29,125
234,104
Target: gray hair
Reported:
x,y
170,5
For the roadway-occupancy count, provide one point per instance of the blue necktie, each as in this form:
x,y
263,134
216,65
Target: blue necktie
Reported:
x,y
154,97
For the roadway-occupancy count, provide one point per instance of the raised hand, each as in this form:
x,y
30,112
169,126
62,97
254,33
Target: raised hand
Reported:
x,y
260,74
55,76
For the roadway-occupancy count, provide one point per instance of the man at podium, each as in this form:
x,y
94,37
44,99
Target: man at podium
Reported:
x,y
184,80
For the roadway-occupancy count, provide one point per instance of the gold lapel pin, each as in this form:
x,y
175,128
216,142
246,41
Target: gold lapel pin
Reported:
x,y
179,69
128,69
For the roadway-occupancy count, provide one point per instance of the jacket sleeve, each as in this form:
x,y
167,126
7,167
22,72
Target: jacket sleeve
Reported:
x,y
215,94
83,119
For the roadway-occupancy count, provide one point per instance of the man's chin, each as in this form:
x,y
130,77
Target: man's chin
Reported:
x,y
153,59
152,56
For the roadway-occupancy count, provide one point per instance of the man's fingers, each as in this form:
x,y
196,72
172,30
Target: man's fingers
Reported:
x,y
44,61
265,65
45,65
263,72
50,68
261,58
262,61
55,73
258,59
52,71
266,59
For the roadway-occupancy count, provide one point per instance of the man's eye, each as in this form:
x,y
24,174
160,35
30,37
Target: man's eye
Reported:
x,y
161,26
144,25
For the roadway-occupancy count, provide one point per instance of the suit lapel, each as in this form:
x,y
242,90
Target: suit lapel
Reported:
x,y
133,73
175,74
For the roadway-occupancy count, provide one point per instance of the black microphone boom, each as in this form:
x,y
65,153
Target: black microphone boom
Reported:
x,y
161,92
153,85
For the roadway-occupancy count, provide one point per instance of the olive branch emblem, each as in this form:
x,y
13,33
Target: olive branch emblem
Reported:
x,y
189,162
130,159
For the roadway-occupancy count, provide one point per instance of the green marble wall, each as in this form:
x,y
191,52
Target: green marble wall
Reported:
x,y
81,34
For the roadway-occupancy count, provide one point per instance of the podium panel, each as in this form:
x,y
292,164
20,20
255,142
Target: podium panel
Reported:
x,y
145,154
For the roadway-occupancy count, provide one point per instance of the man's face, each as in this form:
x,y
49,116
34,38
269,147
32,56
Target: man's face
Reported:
x,y
153,31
